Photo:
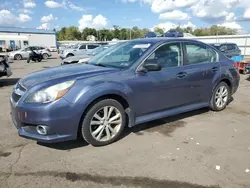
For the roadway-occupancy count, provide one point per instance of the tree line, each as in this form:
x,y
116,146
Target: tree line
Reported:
x,y
73,33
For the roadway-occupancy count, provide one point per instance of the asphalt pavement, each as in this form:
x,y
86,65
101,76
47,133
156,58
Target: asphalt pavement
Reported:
x,y
199,149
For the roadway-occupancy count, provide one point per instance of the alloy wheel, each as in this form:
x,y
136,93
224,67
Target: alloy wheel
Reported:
x,y
106,123
221,96
18,57
45,56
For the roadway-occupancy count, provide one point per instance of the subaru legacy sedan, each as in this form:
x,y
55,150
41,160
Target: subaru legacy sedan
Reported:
x,y
126,85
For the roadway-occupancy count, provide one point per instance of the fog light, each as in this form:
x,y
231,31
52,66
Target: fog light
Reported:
x,y
42,130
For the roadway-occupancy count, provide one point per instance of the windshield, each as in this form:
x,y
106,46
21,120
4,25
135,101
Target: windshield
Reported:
x,y
121,55
99,50
75,46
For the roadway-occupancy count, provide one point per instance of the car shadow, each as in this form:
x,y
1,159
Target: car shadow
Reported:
x,y
67,145
164,126
8,81
248,79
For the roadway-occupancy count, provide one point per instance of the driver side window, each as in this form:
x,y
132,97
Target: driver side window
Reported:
x,y
27,49
168,55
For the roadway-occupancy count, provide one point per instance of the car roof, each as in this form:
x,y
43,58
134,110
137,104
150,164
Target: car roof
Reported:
x,y
218,44
164,39
89,44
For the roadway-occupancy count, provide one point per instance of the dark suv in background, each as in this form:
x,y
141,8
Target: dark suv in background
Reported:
x,y
228,49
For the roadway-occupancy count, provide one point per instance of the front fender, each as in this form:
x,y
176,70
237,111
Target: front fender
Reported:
x,y
81,96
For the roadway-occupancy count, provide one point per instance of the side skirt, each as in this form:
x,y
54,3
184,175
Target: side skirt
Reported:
x,y
167,113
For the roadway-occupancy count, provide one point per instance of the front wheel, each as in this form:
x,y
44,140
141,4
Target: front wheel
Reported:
x,y
220,97
18,57
45,56
104,122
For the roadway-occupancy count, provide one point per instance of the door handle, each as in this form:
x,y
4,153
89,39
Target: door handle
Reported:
x,y
181,75
215,69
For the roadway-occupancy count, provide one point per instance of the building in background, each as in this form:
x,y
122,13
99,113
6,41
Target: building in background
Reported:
x,y
12,38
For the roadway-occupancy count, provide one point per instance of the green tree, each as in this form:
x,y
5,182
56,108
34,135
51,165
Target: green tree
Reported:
x,y
61,33
72,33
159,30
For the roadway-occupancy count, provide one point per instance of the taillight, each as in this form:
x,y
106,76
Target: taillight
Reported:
x,y
236,65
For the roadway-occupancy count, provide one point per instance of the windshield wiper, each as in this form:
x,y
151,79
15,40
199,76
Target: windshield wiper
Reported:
x,y
100,65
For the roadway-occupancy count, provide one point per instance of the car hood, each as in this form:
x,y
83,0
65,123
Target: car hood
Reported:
x,y
69,50
16,51
64,72
76,58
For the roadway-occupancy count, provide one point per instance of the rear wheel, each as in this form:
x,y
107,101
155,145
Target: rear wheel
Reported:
x,y
18,57
104,122
221,96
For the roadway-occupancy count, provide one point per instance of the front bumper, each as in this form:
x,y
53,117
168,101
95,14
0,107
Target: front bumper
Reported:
x,y
58,116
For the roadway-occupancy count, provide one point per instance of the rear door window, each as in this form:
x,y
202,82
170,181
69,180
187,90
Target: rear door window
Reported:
x,y
90,46
230,46
198,53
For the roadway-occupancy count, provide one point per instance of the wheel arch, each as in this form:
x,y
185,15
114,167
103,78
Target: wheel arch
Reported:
x,y
17,55
70,54
115,96
227,81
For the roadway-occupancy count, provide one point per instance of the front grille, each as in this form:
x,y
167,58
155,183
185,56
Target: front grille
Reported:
x,y
15,97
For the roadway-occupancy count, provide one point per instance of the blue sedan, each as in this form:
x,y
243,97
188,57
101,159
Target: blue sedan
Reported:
x,y
128,84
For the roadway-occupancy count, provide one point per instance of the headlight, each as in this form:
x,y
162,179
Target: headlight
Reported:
x,y
50,94
85,60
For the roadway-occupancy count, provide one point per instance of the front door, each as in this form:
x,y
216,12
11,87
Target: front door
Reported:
x,y
160,90
82,50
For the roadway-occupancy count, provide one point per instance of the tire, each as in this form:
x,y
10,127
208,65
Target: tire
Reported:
x,y
45,56
90,132
18,57
218,95
69,55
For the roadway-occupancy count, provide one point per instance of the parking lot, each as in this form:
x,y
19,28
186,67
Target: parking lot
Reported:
x,y
192,150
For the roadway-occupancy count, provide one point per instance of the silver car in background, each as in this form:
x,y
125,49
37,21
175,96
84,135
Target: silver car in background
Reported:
x,y
85,57
24,53
78,49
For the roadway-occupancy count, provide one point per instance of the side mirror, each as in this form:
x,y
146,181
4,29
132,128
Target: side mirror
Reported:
x,y
149,67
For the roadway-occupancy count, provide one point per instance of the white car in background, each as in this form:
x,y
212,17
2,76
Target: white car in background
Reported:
x,y
85,57
24,53
78,49
53,49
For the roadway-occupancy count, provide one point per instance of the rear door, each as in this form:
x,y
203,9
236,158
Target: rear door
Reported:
x,y
202,68
91,47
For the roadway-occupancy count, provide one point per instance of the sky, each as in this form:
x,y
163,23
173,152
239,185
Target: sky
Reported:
x,y
166,14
